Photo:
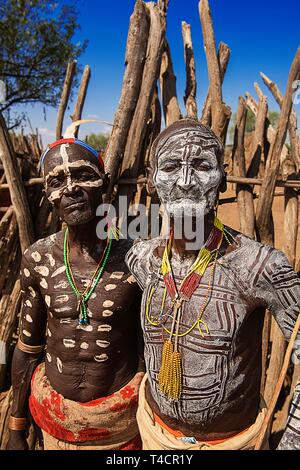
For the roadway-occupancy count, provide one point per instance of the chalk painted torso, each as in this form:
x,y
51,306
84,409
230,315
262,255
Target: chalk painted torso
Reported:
x,y
222,371
82,362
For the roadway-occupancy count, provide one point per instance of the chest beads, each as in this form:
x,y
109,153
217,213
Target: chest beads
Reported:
x,y
170,375
84,296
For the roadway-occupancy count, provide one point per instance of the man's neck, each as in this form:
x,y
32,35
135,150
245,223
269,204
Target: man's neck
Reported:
x,y
182,246
84,238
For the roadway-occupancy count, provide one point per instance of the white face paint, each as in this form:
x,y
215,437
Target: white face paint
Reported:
x,y
108,303
188,174
70,181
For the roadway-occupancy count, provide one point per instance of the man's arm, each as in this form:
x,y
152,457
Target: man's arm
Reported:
x,y
291,437
28,350
279,288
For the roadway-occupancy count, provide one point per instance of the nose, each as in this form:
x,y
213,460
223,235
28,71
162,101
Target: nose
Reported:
x,y
186,180
71,188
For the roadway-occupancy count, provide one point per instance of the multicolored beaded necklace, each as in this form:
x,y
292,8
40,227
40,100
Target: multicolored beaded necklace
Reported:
x,y
84,296
170,375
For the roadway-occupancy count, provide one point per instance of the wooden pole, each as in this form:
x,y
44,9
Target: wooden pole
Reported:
x,y
220,112
65,97
253,106
136,51
168,92
292,127
16,188
244,192
81,96
134,144
267,191
223,60
190,67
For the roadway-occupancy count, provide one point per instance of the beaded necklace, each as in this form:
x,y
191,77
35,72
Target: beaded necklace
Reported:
x,y
85,295
170,375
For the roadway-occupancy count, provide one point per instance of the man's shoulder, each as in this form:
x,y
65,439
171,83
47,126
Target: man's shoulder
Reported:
x,y
35,252
250,257
141,248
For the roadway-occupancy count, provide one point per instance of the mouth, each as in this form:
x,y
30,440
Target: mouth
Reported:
x,y
75,205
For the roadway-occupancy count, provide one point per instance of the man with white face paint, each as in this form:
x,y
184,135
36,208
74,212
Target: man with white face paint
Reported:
x,y
202,310
80,301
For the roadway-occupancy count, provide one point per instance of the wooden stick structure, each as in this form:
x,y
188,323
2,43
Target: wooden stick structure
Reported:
x,y
257,162
191,83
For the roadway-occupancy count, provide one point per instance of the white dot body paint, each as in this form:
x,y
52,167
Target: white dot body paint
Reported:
x,y
49,333
59,365
36,256
102,343
131,280
62,298
51,259
51,314
84,346
107,313
49,357
94,295
108,303
32,291
26,333
90,313
117,275
101,358
63,309
58,271
28,318
61,285
43,283
65,320
42,270
26,272
28,303
110,287
48,300
69,343
84,327
104,328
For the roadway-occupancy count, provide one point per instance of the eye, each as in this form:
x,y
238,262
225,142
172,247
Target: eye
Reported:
x,y
168,167
86,175
55,182
201,165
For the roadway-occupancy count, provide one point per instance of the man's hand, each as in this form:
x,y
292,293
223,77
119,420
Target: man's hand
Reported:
x,y
17,441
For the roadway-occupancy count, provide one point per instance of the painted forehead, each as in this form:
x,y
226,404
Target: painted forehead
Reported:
x,y
178,141
68,154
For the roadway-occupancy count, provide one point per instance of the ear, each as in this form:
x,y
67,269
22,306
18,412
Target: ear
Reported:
x,y
150,183
223,185
106,181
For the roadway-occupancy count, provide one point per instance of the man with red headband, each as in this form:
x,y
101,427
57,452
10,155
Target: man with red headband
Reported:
x,y
80,306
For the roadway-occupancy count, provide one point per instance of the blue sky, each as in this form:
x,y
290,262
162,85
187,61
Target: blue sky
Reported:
x,y
263,36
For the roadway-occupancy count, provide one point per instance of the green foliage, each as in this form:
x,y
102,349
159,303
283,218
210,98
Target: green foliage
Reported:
x,y
98,141
250,122
36,45
274,118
